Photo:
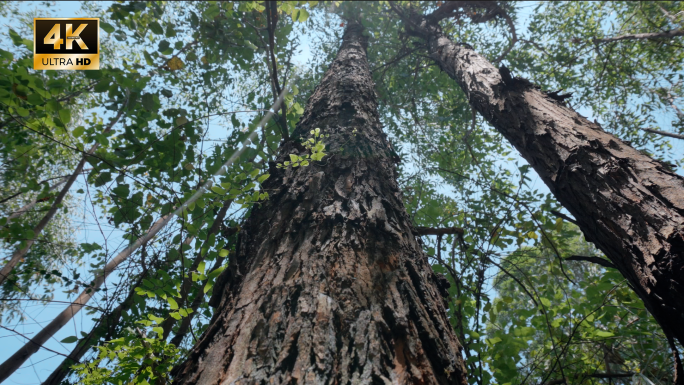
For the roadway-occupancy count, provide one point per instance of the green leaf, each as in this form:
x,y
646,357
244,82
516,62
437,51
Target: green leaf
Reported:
x,y
7,55
156,28
149,102
218,190
158,330
35,99
545,302
208,287
601,333
23,112
494,340
107,27
78,131
216,273
303,15
148,58
69,340
172,303
223,253
65,116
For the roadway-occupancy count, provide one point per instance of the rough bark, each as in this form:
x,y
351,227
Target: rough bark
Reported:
x,y
329,284
628,204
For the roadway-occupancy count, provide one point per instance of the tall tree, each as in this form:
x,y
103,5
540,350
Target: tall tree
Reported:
x,y
329,283
628,204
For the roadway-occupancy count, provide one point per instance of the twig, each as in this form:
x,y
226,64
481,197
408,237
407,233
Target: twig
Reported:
x,y
663,133
564,217
596,260
22,335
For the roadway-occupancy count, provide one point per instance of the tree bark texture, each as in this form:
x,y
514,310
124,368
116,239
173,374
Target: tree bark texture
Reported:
x,y
329,284
628,204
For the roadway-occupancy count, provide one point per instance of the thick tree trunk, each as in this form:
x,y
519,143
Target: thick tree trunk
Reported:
x,y
329,284
629,205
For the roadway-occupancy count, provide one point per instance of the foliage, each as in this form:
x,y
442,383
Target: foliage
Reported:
x,y
140,360
596,324
314,145
184,86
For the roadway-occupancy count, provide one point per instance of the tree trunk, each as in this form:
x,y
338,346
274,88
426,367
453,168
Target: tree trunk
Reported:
x,y
629,205
329,283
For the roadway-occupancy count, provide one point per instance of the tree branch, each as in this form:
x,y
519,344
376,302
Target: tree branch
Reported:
x,y
438,231
271,22
596,260
663,133
642,36
564,217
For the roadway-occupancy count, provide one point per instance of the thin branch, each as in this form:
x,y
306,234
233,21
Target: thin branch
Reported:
x,y
49,300
16,332
596,260
271,22
564,217
17,359
663,133
642,36
515,279
396,59
27,207
514,37
438,231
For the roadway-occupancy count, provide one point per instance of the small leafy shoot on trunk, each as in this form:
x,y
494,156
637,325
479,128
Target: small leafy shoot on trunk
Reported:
x,y
315,145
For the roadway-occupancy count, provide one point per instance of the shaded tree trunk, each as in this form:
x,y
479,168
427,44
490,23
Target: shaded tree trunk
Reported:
x,y
329,283
628,204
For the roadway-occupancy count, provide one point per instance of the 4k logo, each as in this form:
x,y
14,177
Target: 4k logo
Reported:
x,y
66,43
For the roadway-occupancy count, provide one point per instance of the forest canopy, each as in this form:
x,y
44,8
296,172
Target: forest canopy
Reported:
x,y
137,199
